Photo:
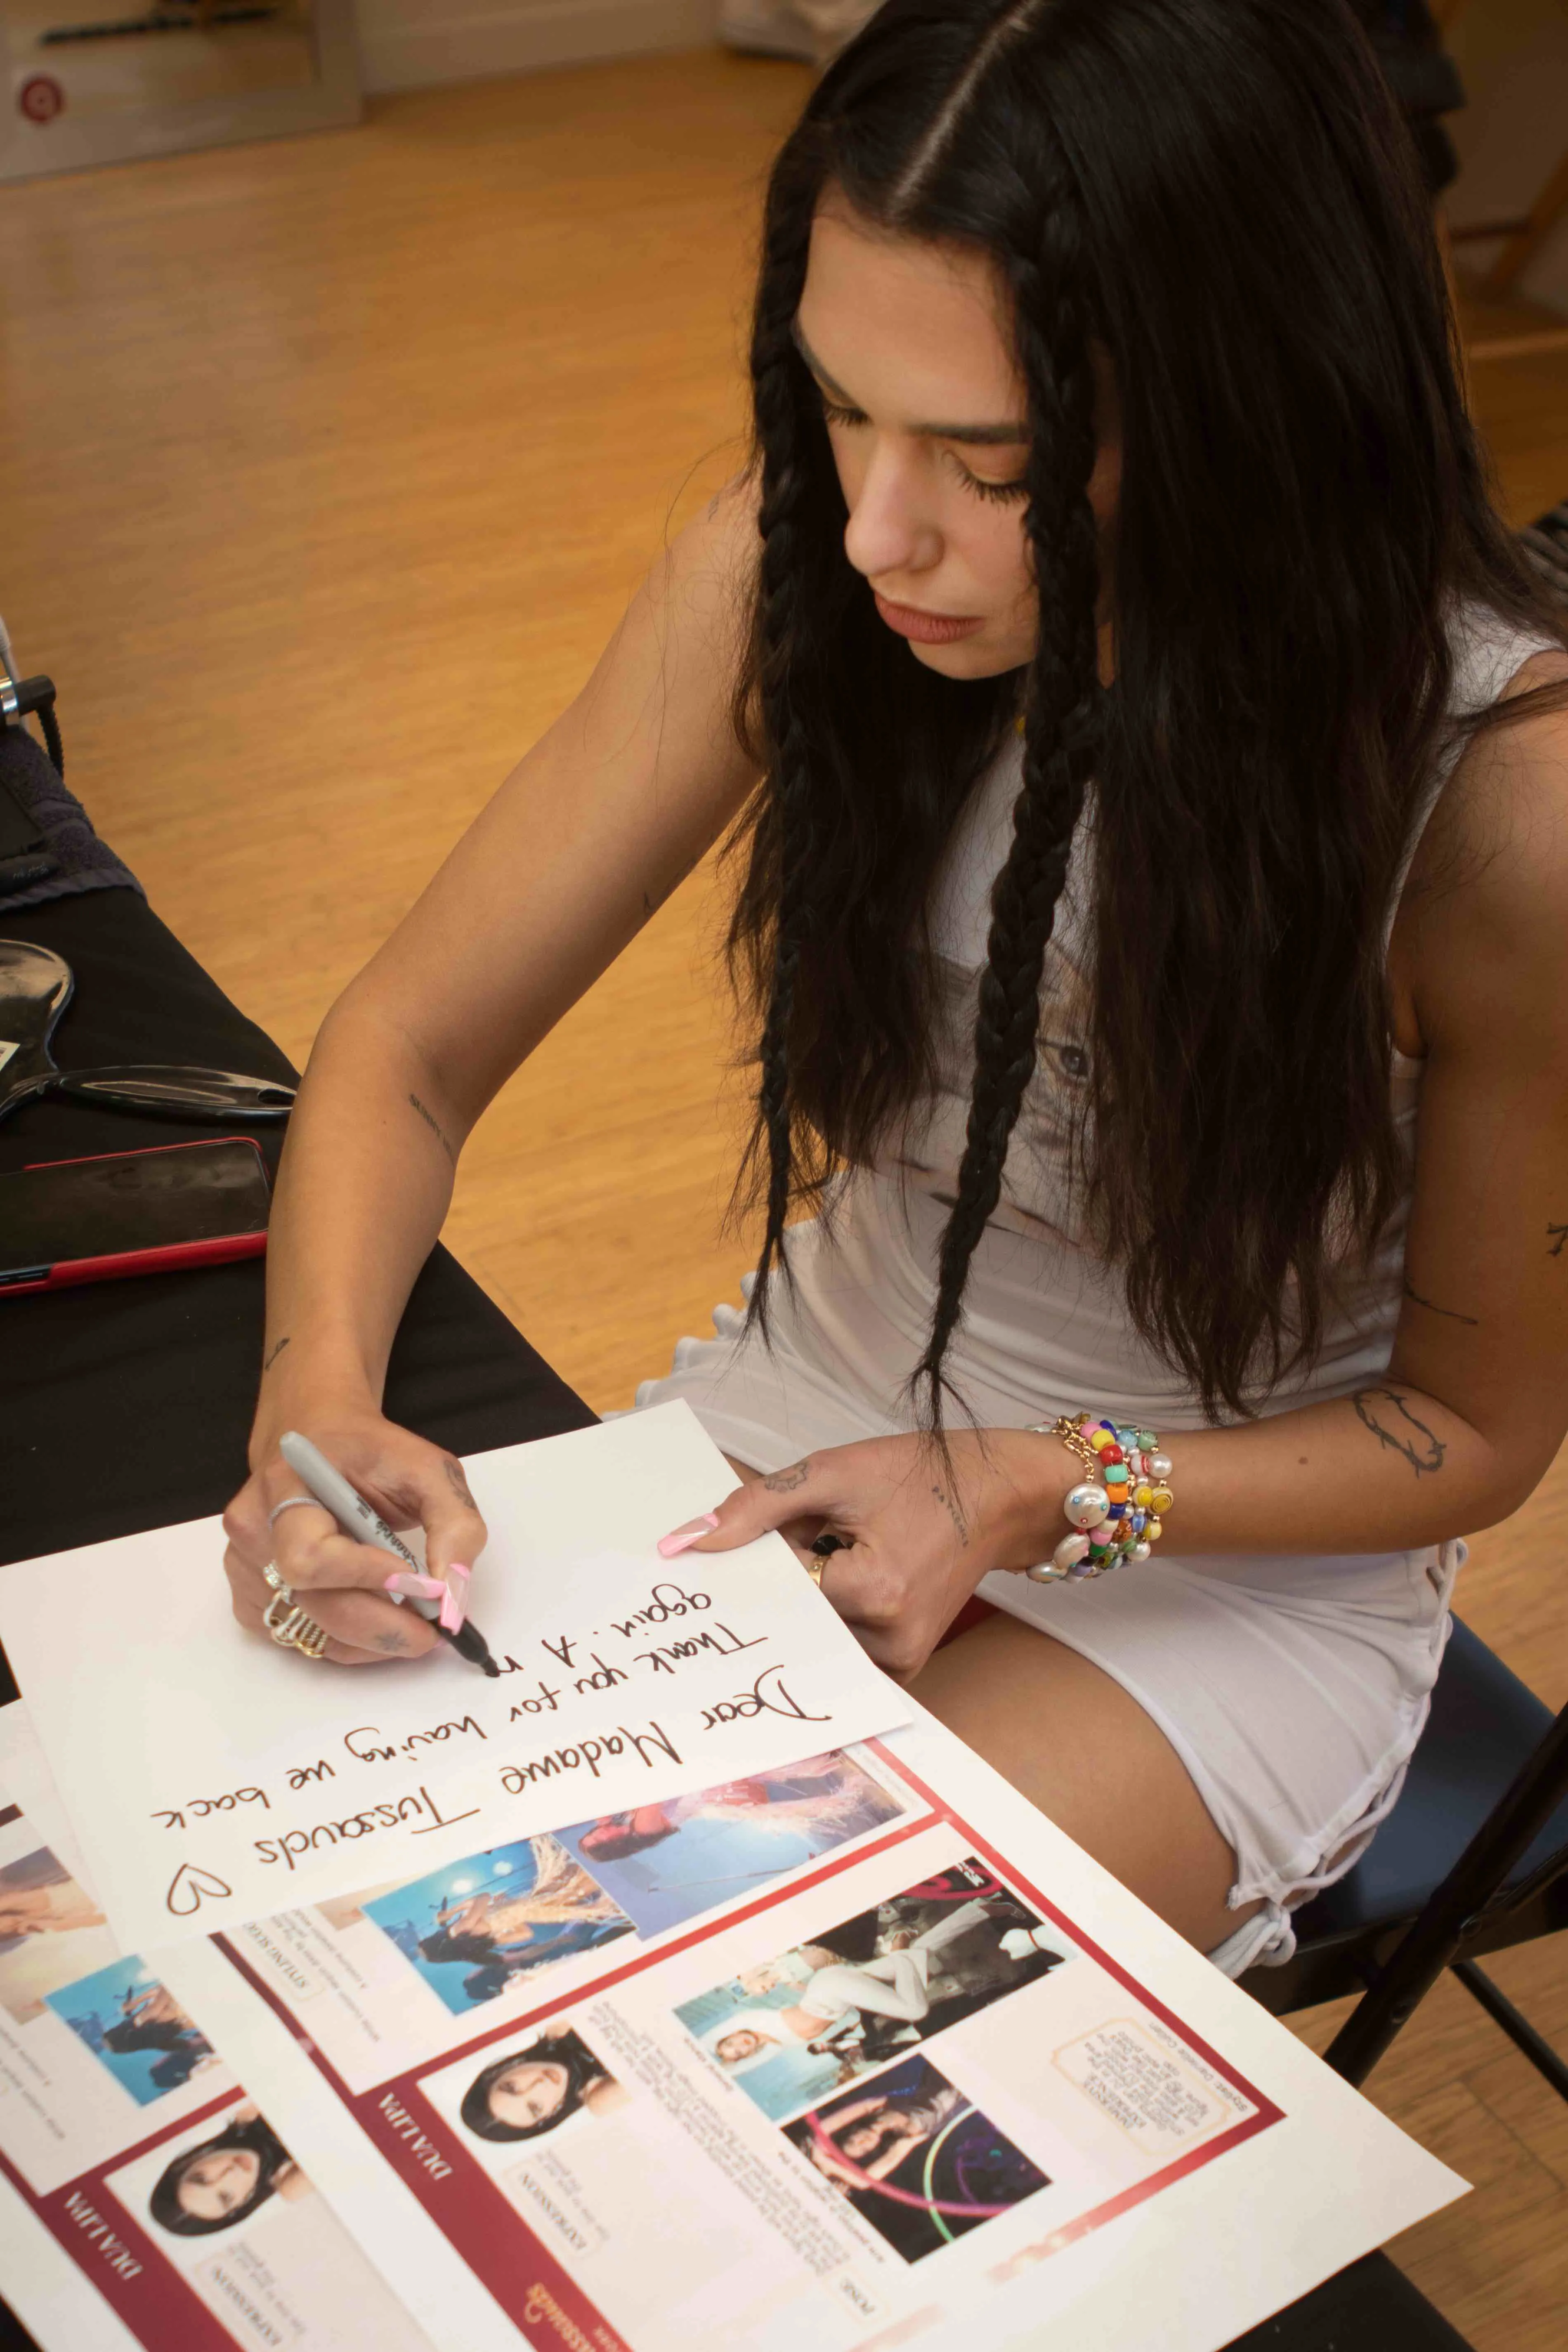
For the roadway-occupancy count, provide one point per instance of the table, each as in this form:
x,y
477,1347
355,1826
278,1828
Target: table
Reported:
x,y
126,1405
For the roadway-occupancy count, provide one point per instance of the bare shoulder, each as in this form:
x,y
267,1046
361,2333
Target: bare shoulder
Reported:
x,y
1482,936
709,569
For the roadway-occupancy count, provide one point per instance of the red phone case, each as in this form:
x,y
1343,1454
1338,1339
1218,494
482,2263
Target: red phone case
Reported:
x,y
170,1258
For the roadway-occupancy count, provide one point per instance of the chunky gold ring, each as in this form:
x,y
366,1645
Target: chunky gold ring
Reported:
x,y
296,1631
815,1569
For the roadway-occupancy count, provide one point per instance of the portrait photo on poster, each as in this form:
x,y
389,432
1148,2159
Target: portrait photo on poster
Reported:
x,y
538,2086
473,1930
670,1862
916,2158
797,2024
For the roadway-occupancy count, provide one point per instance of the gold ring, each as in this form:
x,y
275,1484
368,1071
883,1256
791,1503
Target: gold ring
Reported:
x,y
297,1631
815,1569
274,1580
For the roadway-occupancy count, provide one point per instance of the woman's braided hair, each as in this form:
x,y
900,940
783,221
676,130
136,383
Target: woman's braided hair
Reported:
x,y
1062,710
1214,203
1059,701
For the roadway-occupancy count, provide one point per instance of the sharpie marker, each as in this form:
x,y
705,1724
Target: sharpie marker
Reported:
x,y
356,1518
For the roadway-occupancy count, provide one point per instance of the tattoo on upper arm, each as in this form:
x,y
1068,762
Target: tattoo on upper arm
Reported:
x,y
953,1512
1556,1235
784,1482
435,1127
1432,1308
274,1351
1388,1416
458,1483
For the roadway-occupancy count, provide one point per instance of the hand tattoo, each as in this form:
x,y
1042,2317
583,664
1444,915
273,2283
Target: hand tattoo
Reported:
x,y
1562,1235
1452,1312
784,1482
458,1483
435,1127
1421,1446
273,1353
391,1645
954,1513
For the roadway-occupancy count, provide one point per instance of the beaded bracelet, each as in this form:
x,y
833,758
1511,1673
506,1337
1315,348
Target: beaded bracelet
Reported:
x,y
1117,1513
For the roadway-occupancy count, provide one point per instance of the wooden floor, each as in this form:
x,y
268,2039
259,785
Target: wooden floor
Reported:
x,y
329,466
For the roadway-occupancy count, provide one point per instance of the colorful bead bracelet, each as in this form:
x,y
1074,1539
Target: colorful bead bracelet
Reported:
x,y
1118,1512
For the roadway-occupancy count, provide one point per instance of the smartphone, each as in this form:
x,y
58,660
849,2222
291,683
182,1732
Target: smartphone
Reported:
x,y
179,1204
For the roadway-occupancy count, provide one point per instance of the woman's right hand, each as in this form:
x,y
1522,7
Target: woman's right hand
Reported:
x,y
341,1583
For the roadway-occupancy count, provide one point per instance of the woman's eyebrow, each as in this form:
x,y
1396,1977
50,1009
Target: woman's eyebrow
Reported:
x,y
998,437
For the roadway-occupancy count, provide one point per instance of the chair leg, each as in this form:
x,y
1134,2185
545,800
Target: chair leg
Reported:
x,y
1454,1910
1518,2028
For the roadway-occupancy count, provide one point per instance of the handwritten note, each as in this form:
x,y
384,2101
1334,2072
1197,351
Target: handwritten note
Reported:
x,y
212,1777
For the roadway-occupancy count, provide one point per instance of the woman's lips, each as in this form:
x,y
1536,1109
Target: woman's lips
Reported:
x,y
924,628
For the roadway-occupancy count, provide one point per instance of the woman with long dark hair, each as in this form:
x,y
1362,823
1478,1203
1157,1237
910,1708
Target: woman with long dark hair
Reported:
x,y
225,2179
1147,783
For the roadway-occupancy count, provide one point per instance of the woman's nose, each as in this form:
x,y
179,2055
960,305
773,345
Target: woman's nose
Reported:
x,y
890,532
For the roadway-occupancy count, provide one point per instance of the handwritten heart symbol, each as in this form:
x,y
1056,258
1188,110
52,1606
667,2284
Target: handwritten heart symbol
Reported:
x,y
190,1885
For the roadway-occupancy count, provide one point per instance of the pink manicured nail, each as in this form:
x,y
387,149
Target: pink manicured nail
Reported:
x,y
453,1611
412,1587
681,1538
457,1569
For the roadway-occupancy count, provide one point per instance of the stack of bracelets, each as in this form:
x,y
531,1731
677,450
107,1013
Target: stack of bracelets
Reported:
x,y
1117,1513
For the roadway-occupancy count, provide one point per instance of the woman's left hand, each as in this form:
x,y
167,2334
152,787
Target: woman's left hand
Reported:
x,y
918,1533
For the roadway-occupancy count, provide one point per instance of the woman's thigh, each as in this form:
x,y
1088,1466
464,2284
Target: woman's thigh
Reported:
x,y
1075,1744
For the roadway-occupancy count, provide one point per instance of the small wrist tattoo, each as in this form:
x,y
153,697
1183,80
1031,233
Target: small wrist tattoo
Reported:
x,y
274,1352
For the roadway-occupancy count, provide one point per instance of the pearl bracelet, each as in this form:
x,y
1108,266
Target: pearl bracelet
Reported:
x,y
1117,1513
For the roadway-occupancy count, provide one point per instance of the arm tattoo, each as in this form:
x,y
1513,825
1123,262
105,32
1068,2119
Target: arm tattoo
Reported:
x,y
784,1482
435,1127
458,1483
954,1513
274,1352
1561,1234
1385,1412
1432,1308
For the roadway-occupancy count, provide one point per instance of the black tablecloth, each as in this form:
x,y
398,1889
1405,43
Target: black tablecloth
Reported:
x,y
126,1405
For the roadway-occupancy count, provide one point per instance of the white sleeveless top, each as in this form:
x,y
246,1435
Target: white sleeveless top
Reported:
x,y
1293,1688
1074,1336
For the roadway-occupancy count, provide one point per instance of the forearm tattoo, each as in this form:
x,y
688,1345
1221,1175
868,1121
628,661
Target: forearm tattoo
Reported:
x,y
1432,1308
1388,1416
435,1127
1556,1235
274,1351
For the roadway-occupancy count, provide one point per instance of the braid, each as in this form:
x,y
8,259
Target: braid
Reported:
x,y
1061,711
787,821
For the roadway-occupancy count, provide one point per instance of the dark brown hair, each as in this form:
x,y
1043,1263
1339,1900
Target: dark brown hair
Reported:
x,y
1221,195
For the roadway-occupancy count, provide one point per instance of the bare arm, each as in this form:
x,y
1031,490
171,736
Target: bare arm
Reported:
x,y
582,844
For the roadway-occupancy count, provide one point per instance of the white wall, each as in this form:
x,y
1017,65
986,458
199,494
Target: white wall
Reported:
x,y
405,43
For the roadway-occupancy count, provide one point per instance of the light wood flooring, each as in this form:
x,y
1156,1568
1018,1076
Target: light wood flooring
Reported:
x,y
328,465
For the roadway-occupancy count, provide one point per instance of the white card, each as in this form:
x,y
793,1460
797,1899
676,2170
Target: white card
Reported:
x,y
214,1778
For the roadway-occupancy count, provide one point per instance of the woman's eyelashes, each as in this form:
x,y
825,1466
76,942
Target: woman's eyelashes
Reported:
x,y
1017,488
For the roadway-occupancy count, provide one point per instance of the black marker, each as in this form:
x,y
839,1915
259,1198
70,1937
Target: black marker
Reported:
x,y
356,1518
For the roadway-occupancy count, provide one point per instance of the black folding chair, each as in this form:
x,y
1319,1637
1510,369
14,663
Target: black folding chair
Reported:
x,y
1473,1859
